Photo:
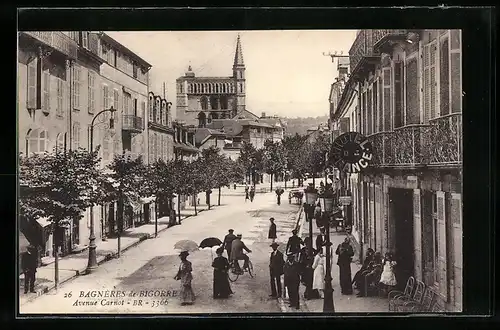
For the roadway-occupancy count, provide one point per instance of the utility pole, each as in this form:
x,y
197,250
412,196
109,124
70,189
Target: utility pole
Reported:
x,y
335,55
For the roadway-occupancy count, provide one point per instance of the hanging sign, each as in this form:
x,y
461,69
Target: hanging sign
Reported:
x,y
351,152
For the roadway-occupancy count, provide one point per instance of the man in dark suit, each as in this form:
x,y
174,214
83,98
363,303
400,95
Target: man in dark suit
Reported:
x,y
228,240
276,264
292,280
29,263
294,243
272,230
320,239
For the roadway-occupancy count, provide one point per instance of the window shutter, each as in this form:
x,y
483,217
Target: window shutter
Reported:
x,y
111,103
376,109
412,92
456,216
456,72
46,91
444,81
32,99
427,102
151,109
417,233
38,88
387,99
369,120
398,94
90,79
433,80
442,266
60,93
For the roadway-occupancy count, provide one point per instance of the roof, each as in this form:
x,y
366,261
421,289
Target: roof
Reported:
x,y
202,134
186,147
124,49
246,114
205,78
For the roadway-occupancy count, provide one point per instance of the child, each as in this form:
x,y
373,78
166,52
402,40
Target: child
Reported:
x,y
388,278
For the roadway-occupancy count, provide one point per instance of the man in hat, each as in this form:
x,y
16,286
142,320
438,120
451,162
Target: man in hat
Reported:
x,y
228,239
292,280
321,239
276,264
29,263
237,247
294,243
272,230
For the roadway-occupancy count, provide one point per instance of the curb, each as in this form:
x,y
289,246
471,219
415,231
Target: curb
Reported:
x,y
100,260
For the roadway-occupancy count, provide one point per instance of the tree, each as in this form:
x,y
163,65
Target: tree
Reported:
x,y
273,159
181,181
297,153
215,170
59,186
251,160
124,184
317,158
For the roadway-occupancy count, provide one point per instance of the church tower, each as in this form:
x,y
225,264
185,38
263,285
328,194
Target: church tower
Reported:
x,y
239,78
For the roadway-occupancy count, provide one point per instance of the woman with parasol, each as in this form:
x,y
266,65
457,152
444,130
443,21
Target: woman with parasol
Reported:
x,y
222,289
185,276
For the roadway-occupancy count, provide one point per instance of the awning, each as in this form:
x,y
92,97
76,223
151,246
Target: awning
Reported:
x,y
44,222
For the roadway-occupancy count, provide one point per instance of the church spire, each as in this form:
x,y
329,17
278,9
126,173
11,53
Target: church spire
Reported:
x,y
238,55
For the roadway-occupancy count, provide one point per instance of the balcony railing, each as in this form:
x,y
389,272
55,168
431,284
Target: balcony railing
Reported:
x,y
410,145
446,139
58,41
132,123
365,41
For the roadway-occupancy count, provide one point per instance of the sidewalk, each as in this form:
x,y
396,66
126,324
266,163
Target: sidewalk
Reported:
x,y
73,265
343,303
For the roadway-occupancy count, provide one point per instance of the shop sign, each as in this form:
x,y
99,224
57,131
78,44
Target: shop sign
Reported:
x,y
351,152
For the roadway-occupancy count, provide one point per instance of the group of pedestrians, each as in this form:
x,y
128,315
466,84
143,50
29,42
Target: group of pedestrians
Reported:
x,y
249,193
375,271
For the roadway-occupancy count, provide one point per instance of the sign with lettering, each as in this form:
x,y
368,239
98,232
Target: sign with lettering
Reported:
x,y
345,200
351,152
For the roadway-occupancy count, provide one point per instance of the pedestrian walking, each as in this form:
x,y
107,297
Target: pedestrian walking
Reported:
x,y
185,276
276,264
29,263
252,194
294,243
292,280
272,231
222,288
321,239
319,272
279,192
317,215
228,240
345,253
247,196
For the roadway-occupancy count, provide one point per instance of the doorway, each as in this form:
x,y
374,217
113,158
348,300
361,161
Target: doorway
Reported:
x,y
401,210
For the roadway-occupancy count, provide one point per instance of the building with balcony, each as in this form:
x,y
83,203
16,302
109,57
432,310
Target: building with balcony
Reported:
x,y
160,129
409,200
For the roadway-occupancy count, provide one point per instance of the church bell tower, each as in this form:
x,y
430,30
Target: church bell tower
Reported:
x,y
239,77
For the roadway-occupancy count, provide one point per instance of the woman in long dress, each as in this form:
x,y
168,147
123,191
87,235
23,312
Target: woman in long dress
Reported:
x,y
185,276
319,272
222,289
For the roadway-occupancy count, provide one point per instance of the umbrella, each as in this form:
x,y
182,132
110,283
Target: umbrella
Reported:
x,y
186,245
210,242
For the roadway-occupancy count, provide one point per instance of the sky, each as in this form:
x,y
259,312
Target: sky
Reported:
x,y
287,73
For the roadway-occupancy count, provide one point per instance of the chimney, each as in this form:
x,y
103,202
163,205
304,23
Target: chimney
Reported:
x,y
263,115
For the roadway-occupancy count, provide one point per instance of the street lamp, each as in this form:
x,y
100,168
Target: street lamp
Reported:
x,y
311,197
92,263
327,200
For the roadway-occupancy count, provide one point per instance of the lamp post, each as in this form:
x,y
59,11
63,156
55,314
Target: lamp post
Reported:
x,y
327,200
311,197
92,263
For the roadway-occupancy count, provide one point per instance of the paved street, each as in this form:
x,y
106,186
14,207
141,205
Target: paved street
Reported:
x,y
151,266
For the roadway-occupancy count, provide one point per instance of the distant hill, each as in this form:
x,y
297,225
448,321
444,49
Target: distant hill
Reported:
x,y
301,125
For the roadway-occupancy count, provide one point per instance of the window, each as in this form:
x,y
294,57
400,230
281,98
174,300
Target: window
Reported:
x,y
135,108
163,113
151,109
369,103
46,91
76,135
60,142
126,103
32,85
76,87
387,99
105,97
158,111
444,77
91,94
85,39
412,92
38,141
398,94
60,98
204,103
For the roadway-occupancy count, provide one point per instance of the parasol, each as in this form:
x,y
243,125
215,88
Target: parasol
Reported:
x,y
210,242
186,245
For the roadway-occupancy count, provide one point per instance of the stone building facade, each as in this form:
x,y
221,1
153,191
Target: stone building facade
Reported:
x,y
203,99
409,200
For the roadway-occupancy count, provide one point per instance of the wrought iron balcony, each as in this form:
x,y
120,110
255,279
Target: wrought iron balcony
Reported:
x,y
446,140
368,44
56,40
383,151
132,123
411,145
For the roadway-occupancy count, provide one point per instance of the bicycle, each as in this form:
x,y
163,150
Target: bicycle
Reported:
x,y
235,272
